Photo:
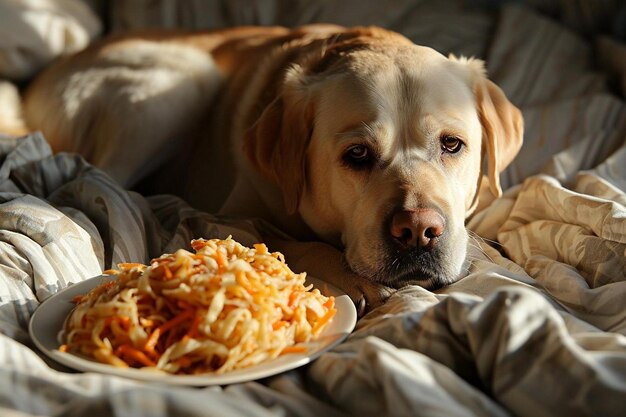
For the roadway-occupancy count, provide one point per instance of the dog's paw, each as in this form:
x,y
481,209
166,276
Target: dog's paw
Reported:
x,y
368,295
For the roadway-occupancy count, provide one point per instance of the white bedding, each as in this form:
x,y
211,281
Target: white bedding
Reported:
x,y
536,328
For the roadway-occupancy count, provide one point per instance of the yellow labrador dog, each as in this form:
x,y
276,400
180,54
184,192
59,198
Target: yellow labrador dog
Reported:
x,y
364,147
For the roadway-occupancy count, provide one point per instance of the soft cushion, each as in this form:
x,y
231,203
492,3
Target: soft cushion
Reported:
x,y
34,32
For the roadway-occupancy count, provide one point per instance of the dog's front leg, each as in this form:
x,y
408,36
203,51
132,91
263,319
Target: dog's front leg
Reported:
x,y
325,262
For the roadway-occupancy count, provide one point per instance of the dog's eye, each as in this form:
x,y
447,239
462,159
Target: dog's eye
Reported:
x,y
451,144
358,156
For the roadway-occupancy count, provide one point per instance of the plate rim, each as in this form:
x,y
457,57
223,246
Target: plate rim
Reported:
x,y
343,304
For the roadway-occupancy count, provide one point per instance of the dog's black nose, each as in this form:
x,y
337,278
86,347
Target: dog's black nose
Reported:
x,y
418,228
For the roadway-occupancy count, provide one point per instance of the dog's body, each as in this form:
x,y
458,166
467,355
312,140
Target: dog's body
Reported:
x,y
353,137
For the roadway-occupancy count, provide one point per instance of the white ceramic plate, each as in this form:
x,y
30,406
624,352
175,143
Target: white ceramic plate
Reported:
x,y
47,322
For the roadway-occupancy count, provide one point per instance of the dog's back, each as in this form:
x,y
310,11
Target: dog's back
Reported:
x,y
164,105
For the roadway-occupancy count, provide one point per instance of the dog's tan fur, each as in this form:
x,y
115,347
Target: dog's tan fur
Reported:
x,y
285,106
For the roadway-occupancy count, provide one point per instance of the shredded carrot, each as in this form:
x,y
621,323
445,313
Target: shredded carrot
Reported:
x,y
167,272
193,329
152,341
330,303
323,320
124,321
293,349
244,282
184,362
294,297
172,337
161,260
129,265
198,244
260,248
63,348
183,304
180,318
219,257
279,324
134,354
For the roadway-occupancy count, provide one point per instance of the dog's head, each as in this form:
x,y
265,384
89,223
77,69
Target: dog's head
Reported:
x,y
379,145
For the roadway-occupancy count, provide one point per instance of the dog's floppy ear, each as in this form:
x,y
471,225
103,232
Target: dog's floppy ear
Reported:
x,y
502,123
503,129
277,142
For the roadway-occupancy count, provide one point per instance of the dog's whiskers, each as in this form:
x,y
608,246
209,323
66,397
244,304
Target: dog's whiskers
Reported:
x,y
484,239
474,242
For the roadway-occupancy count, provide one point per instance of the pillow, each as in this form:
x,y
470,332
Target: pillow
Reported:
x,y
34,32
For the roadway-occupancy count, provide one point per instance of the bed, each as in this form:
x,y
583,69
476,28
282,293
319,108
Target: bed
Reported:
x,y
536,328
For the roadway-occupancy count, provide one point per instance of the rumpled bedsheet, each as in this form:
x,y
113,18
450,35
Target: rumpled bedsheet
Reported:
x,y
536,328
